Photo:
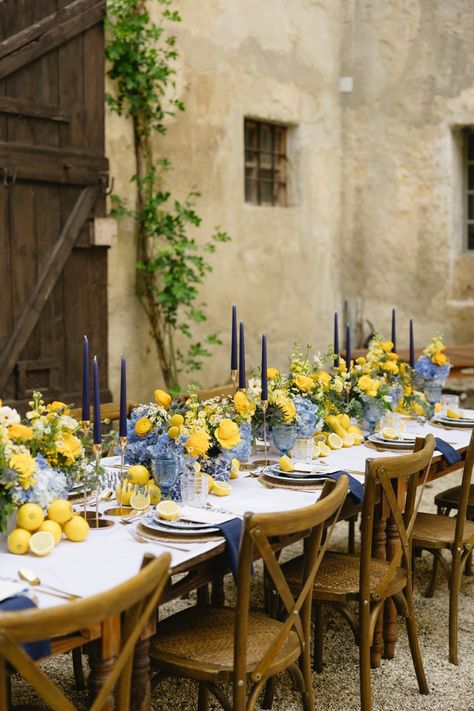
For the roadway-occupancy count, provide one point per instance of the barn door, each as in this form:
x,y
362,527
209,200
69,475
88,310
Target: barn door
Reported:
x,y
53,174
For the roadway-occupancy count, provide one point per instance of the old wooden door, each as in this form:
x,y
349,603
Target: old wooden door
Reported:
x,y
53,174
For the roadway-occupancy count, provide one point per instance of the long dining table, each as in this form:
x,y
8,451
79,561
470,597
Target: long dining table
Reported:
x,y
111,555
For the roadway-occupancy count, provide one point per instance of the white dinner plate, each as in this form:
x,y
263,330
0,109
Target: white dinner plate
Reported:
x,y
377,439
462,422
150,521
278,475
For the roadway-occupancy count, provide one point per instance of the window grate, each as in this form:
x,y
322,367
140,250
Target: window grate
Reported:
x,y
265,163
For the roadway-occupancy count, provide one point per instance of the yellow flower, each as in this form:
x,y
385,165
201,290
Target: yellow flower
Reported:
x,y
304,383
243,405
21,432
418,409
58,405
323,378
439,358
361,360
272,373
390,367
369,385
25,465
69,446
288,410
197,443
386,346
393,356
143,426
227,434
162,398
407,390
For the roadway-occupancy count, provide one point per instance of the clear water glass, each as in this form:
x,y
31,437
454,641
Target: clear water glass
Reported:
x,y
165,472
194,489
449,402
302,450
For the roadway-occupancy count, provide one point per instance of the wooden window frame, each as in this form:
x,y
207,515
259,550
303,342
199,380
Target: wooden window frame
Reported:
x,y
468,191
256,174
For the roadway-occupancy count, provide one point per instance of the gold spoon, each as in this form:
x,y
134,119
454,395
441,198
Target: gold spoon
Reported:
x,y
31,578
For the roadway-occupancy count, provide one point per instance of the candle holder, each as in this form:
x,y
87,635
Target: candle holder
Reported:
x,y
264,404
86,426
95,521
233,375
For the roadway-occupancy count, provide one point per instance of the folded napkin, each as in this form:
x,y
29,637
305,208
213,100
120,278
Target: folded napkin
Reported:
x,y
356,489
232,532
449,453
36,650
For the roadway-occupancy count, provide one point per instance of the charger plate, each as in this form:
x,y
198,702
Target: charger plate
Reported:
x,y
285,483
379,441
174,536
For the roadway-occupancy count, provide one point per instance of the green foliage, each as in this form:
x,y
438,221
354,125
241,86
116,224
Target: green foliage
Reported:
x,y
171,265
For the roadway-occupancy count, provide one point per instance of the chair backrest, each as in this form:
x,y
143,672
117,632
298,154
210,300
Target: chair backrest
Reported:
x,y
258,530
401,480
464,493
108,411
134,600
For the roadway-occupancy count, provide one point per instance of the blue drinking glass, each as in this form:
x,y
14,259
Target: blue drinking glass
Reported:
x,y
165,472
284,437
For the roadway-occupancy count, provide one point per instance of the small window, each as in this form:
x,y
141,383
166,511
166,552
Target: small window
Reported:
x,y
265,163
469,189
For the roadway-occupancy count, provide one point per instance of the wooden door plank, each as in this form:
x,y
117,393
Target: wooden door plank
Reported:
x,y
48,33
71,92
6,314
94,64
21,83
45,283
21,107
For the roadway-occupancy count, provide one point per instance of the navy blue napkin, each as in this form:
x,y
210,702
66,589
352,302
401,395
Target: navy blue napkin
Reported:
x,y
36,650
449,453
232,532
356,489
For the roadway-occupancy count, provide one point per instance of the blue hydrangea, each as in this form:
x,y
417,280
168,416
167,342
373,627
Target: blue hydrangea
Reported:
x,y
243,449
426,369
307,416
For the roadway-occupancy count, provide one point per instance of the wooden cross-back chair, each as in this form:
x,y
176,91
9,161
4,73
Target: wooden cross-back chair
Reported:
x,y
108,411
212,644
436,533
343,579
137,598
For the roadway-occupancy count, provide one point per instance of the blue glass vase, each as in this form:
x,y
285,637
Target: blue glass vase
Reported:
x,y
284,437
165,472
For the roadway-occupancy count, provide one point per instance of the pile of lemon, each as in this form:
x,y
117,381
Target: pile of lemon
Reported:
x,y
38,534
343,434
140,490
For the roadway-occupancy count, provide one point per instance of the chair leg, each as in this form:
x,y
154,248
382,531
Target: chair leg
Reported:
x,y
77,668
351,535
305,666
434,574
415,647
318,638
267,701
468,568
364,658
454,587
203,698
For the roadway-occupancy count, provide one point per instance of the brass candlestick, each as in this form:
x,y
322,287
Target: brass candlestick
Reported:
x,y
97,449
86,426
233,375
264,410
122,445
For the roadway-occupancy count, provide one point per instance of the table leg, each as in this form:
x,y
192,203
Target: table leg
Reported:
x,y
100,669
378,551
141,686
390,629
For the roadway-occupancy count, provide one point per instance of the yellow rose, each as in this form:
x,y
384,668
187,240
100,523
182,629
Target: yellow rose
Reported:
x,y
288,410
365,383
58,405
361,360
304,383
25,465
243,405
143,426
272,373
418,409
390,367
439,359
21,432
386,346
197,443
69,446
162,398
227,434
323,378
371,393
407,390
393,356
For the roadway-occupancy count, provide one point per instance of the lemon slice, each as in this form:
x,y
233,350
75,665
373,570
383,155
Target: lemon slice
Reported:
x,y
358,438
344,420
452,414
140,501
221,488
317,450
285,464
348,441
334,441
235,468
319,436
324,450
402,427
168,510
437,407
42,543
389,433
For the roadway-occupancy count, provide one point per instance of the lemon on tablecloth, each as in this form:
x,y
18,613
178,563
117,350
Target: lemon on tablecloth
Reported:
x,y
154,491
60,510
285,464
54,528
18,540
452,414
168,510
30,517
221,488
41,543
348,440
334,441
76,529
317,449
140,501
324,450
320,436
138,474
124,494
235,469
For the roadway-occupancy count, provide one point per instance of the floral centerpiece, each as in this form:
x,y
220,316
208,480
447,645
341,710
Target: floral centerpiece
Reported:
x,y
375,382
432,369
39,458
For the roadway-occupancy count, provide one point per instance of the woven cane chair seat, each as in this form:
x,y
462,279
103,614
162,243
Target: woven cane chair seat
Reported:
x,y
437,531
339,574
203,637
450,498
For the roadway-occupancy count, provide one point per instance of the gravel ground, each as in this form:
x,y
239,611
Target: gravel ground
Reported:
x,y
394,685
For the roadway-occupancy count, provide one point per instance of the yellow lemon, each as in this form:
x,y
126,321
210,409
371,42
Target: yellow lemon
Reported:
x,y
173,432
402,426
60,510
324,450
18,540
30,517
235,468
285,464
348,440
138,474
168,510
177,421
221,488
154,491
124,494
76,529
42,543
335,425
210,483
320,436
334,441
453,414
358,438
140,501
344,420
53,528
389,433
317,450
353,429
437,407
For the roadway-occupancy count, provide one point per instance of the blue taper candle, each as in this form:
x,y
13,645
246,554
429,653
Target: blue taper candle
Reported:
x,y
123,398
348,346
412,345
242,377
97,423
264,369
86,398
233,347
394,330
336,340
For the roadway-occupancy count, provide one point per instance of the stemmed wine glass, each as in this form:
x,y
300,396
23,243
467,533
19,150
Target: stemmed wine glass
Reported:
x,y
165,472
284,437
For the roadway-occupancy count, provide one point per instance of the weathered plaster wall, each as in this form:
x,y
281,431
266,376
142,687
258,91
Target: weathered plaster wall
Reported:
x,y
402,230
271,60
